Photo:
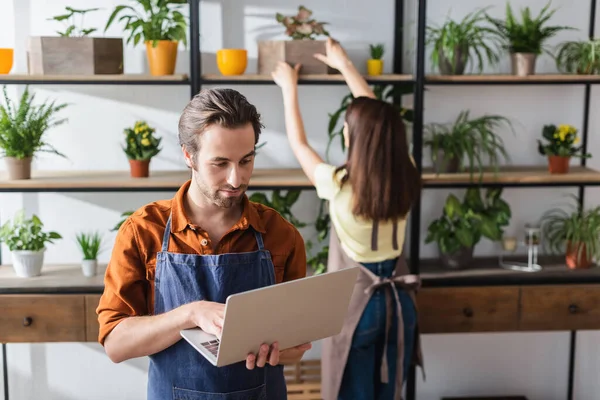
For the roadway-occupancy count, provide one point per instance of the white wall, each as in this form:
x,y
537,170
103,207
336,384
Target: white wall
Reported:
x,y
533,364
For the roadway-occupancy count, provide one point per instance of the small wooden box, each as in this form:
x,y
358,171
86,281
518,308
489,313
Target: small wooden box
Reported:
x,y
74,55
270,52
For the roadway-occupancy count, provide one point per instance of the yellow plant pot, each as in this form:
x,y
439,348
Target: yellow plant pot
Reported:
x,y
232,61
374,67
162,58
6,60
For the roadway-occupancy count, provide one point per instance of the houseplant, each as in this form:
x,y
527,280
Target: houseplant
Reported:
x,y
27,240
160,25
375,63
463,224
23,130
281,203
472,138
140,146
575,233
579,57
525,39
124,215
74,51
89,244
455,44
303,30
560,148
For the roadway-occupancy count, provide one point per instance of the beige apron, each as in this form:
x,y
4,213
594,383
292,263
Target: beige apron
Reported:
x,y
335,349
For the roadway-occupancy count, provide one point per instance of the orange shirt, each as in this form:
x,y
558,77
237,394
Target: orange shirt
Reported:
x,y
129,279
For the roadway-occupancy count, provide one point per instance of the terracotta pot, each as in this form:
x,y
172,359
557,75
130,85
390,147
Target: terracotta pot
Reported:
x,y
458,260
558,164
576,260
139,168
162,58
523,64
374,67
18,168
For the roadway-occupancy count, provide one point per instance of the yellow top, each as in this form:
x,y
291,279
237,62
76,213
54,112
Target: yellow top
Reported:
x,y
355,233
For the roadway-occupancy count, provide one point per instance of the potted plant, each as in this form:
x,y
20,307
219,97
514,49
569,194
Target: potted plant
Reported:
x,y
23,130
74,51
462,225
560,147
89,244
26,241
458,43
579,57
303,30
472,138
140,146
525,39
124,215
375,63
160,25
575,234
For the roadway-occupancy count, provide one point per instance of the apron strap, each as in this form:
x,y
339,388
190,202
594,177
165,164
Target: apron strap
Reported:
x,y
259,240
166,235
375,234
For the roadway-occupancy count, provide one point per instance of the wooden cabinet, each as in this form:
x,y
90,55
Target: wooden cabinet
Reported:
x,y
468,309
91,319
42,318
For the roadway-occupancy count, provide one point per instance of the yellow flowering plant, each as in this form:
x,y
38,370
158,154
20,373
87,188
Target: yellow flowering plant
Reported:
x,y
562,141
140,142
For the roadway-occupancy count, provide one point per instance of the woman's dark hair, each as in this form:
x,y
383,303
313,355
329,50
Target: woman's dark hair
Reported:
x,y
385,182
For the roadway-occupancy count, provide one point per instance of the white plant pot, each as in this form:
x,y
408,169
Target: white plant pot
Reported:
x,y
89,267
28,263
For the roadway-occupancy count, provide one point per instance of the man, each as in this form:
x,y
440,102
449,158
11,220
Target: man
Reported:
x,y
175,262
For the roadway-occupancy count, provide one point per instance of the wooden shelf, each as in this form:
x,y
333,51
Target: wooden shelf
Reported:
x,y
55,278
514,176
123,79
508,79
78,181
324,79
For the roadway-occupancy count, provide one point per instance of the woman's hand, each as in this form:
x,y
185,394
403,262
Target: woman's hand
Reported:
x,y
334,56
285,76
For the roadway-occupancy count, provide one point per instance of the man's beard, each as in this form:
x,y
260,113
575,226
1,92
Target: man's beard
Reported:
x,y
220,200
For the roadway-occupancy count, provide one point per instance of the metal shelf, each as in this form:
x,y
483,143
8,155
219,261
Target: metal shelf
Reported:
x,y
125,79
506,79
319,79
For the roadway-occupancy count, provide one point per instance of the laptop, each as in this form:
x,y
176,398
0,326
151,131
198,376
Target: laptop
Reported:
x,y
291,313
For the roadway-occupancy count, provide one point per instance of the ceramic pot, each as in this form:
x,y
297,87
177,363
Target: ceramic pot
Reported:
x,y
162,58
28,263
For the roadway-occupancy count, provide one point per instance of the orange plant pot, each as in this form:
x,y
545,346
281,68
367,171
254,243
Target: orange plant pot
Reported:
x,y
139,168
573,262
232,61
162,58
6,60
558,164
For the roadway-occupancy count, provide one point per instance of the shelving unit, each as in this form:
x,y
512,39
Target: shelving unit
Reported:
x,y
513,176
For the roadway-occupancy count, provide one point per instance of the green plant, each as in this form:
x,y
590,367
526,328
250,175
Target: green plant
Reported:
x,y
89,243
456,43
71,29
377,51
280,203
301,26
529,34
578,226
473,138
140,142
389,93
26,233
579,57
318,261
561,142
22,129
462,225
123,216
159,20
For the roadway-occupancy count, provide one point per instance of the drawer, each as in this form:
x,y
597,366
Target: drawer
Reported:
x,y
566,307
468,309
92,328
42,318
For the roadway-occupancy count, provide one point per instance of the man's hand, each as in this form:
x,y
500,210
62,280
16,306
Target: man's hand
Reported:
x,y
275,356
207,315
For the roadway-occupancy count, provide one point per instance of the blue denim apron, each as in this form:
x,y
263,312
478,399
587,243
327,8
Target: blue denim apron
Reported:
x,y
180,372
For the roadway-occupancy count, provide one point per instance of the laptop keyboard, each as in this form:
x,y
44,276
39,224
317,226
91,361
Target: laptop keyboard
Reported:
x,y
212,346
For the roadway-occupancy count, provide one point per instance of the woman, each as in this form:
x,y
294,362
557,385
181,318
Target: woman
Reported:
x,y
369,199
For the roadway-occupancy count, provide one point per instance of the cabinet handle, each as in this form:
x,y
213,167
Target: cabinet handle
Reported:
x,y
573,309
468,312
27,321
